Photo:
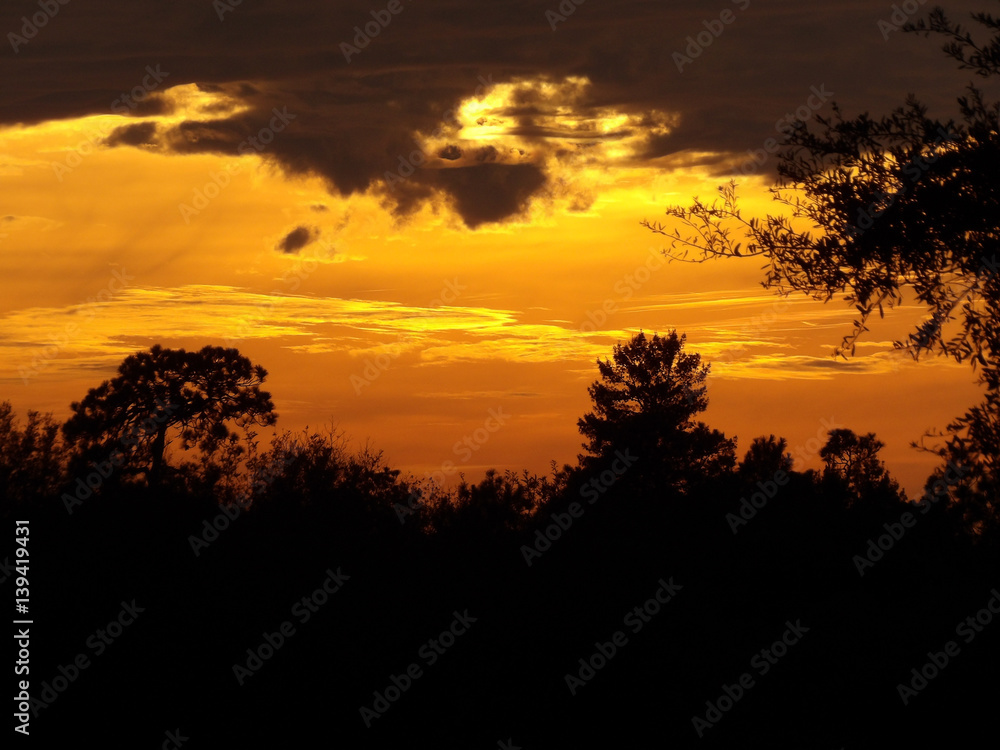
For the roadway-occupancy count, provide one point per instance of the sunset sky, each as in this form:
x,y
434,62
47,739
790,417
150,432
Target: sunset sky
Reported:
x,y
412,231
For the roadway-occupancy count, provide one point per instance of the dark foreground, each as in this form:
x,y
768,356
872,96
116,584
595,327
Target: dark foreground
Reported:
x,y
304,621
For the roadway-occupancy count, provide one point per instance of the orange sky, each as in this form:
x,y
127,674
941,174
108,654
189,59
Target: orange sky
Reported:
x,y
100,256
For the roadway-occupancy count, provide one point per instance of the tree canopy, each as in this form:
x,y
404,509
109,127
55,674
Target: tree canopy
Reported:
x,y
901,202
646,401
198,393
765,457
853,461
30,459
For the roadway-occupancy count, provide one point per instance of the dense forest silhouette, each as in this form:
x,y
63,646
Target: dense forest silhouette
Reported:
x,y
270,593
197,586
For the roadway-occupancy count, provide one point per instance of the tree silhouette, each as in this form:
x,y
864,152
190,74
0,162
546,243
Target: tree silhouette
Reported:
x,y
970,468
31,458
497,504
765,458
196,392
896,206
852,461
903,201
645,403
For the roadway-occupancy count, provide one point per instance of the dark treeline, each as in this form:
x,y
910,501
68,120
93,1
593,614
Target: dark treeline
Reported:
x,y
671,587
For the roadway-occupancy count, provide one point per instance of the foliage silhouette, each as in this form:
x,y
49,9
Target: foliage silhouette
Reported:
x,y
645,403
31,458
316,506
196,392
852,460
500,503
895,206
764,458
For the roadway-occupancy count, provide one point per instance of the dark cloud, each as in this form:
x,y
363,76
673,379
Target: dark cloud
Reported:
x,y
297,239
490,192
355,121
487,154
150,106
140,134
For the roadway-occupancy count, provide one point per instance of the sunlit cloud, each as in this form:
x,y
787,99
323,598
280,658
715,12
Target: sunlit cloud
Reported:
x,y
50,339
